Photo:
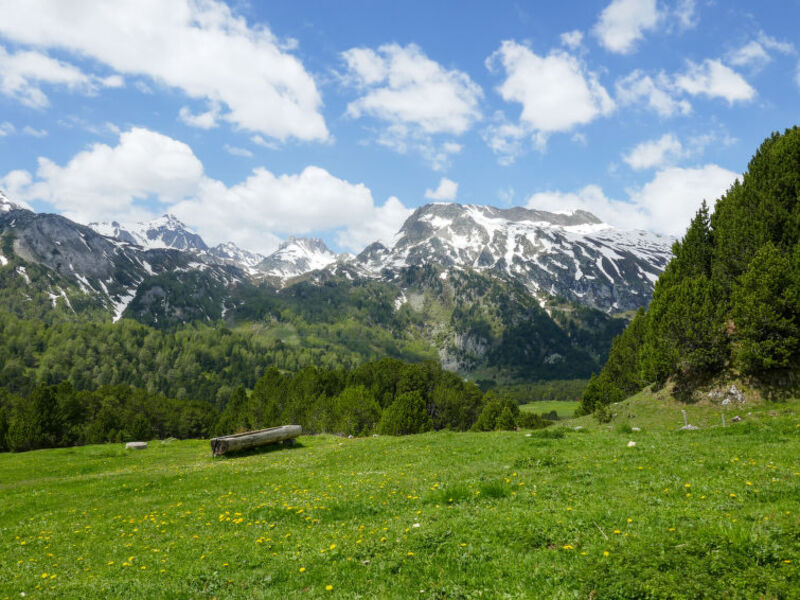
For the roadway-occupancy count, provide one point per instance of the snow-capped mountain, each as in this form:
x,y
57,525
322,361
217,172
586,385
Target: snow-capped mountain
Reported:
x,y
164,232
574,256
231,253
297,256
7,205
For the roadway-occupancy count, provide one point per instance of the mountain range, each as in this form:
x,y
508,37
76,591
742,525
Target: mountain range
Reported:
x,y
528,293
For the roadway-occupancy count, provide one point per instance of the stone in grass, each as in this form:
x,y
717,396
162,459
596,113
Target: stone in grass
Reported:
x,y
689,428
631,444
736,419
136,446
635,429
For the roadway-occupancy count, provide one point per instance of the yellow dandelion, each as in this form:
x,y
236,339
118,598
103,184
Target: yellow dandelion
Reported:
x,y
302,569
328,587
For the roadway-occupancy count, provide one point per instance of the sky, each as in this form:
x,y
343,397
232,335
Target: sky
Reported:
x,y
252,121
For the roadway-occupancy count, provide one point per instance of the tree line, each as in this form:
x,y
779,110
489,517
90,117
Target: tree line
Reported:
x,y
388,397
729,300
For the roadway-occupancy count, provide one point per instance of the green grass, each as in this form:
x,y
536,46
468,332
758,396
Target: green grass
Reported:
x,y
555,513
564,408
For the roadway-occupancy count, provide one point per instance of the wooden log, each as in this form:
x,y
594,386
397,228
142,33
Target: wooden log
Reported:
x,y
253,439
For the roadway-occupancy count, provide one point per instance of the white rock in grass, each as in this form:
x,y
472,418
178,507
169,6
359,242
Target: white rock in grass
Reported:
x,y
631,444
136,446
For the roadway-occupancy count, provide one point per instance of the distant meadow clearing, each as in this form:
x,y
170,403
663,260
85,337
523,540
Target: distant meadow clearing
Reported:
x,y
554,513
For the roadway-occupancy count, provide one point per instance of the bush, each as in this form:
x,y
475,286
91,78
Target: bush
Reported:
x,y
406,415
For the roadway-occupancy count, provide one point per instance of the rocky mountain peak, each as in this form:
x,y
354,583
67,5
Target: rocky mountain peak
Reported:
x,y
296,256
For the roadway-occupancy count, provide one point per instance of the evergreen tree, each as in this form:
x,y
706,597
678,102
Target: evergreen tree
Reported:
x,y
766,305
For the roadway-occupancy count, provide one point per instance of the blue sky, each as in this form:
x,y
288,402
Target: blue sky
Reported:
x,y
252,121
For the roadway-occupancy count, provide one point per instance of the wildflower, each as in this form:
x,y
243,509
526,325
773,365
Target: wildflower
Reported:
x,y
606,553
302,569
328,587
568,547
332,546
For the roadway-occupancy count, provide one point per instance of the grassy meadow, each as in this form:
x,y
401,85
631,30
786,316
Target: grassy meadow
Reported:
x,y
554,513
564,408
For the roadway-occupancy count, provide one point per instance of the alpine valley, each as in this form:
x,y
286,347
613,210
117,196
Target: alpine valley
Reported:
x,y
503,295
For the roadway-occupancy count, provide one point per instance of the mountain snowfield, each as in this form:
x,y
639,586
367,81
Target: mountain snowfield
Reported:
x,y
569,255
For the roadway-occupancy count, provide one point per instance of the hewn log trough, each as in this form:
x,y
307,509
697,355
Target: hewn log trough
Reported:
x,y
253,439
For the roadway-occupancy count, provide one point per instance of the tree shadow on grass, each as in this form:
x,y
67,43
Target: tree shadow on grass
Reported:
x,y
266,449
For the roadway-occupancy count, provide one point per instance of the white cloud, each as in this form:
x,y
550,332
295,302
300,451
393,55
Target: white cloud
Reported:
x,y
236,151
403,139
380,224
557,93
657,93
403,86
572,39
105,182
623,23
416,97
655,153
751,54
755,53
269,91
664,205
713,79
447,190
6,128
148,173
206,120
23,73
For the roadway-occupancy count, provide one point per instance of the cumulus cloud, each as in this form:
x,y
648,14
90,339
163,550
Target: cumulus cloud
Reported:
x,y
656,94
624,22
447,190
655,153
23,73
665,204
557,94
415,97
713,79
269,91
380,224
148,173
403,86
105,182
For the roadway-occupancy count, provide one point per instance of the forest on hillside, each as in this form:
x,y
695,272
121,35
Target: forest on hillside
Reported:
x,y
728,303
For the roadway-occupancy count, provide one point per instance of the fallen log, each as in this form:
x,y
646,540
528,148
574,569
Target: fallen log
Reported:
x,y
253,439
